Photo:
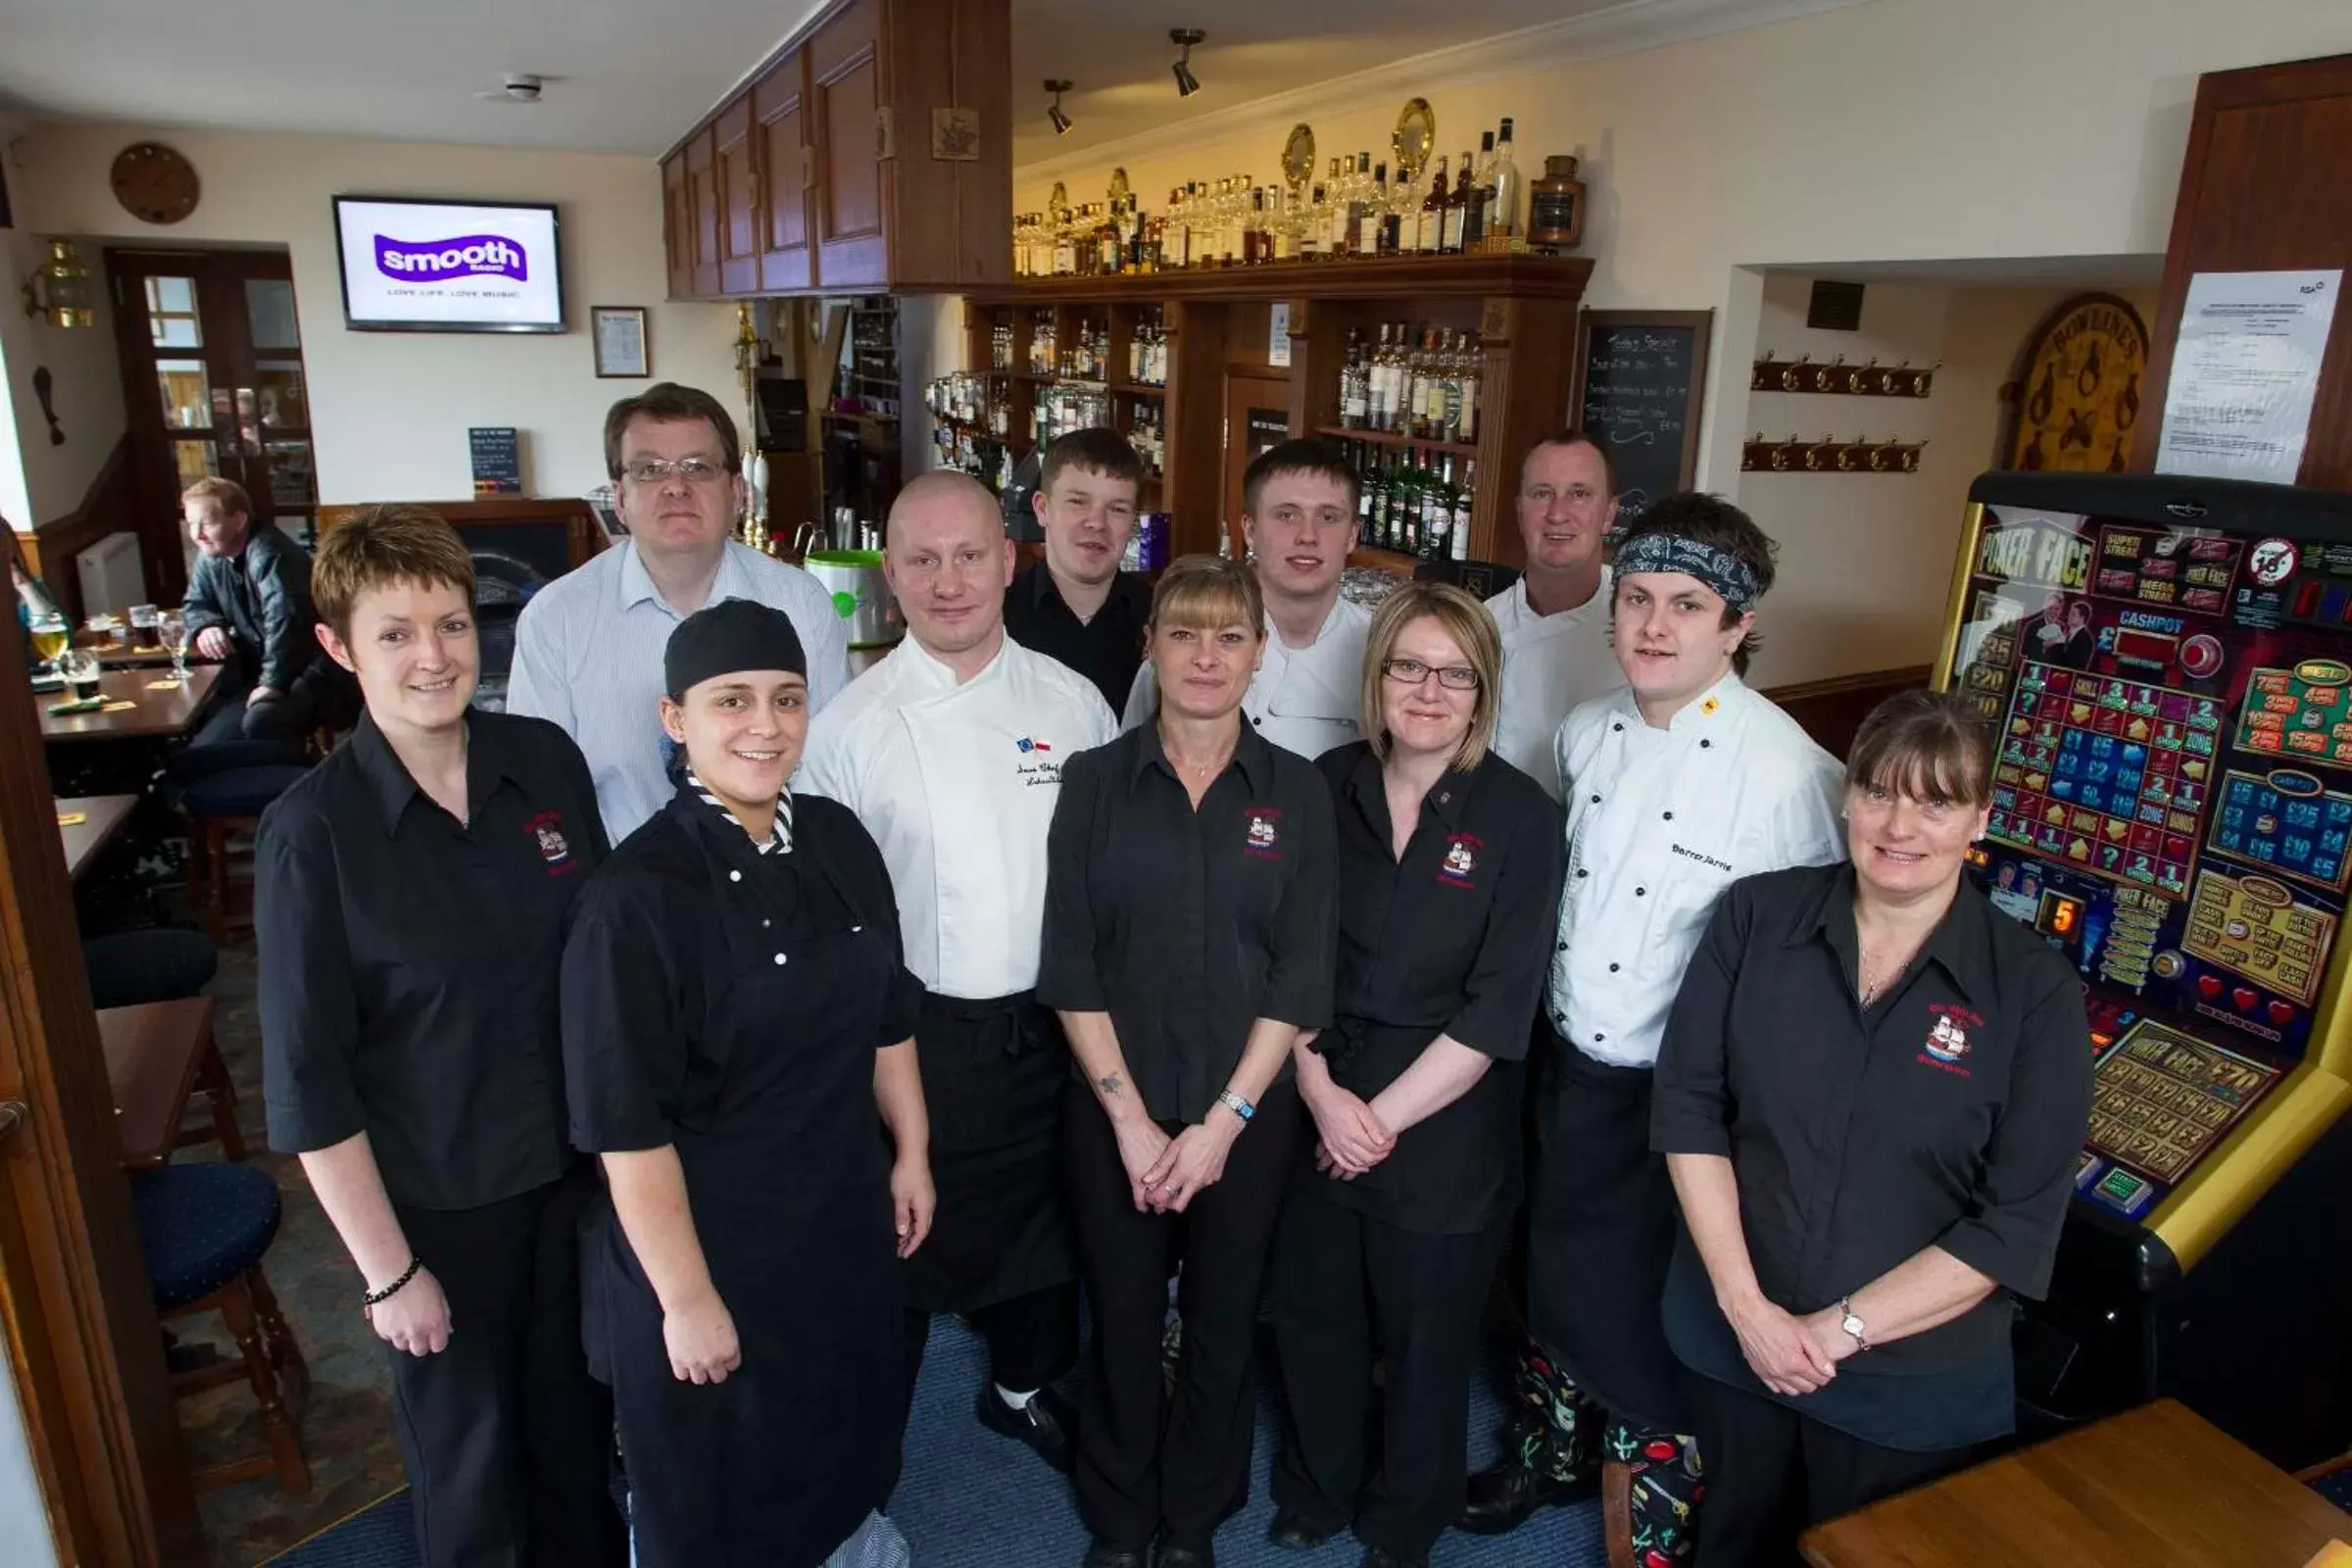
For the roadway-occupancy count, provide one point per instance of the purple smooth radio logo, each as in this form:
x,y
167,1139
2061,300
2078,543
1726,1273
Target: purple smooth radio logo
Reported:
x,y
436,260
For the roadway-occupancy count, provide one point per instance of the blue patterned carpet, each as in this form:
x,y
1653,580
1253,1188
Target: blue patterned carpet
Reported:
x,y
972,1499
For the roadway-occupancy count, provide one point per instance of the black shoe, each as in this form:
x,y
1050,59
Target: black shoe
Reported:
x,y
1292,1531
1172,1555
1382,1557
1044,1424
1103,1554
1499,1500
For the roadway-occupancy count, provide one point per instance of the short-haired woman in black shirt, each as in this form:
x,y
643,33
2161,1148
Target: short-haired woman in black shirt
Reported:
x,y
1872,1097
410,895
1448,878
1187,943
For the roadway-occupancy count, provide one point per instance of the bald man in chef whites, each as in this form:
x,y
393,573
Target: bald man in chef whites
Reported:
x,y
950,750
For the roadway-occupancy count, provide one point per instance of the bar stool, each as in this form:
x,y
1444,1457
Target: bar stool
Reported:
x,y
220,805
167,964
204,1230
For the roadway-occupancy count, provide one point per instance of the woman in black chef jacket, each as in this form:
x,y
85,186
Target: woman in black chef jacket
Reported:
x,y
734,1008
1448,879
1872,1097
1187,943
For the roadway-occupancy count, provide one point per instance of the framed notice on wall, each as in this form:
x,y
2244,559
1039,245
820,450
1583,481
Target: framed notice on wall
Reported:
x,y
1640,376
619,332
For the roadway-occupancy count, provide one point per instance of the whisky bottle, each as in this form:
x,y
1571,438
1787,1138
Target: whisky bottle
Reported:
x,y
1367,491
1436,512
1474,359
1429,233
1465,493
1355,394
1383,375
1482,194
1439,388
1458,208
1375,208
1509,188
1392,198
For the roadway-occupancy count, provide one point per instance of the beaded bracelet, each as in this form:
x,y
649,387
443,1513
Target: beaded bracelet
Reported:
x,y
380,1298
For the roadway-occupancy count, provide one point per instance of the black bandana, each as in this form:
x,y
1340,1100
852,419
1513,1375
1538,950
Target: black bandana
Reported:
x,y
1719,570
727,639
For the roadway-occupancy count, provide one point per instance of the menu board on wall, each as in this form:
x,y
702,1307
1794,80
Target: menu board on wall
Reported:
x,y
1640,378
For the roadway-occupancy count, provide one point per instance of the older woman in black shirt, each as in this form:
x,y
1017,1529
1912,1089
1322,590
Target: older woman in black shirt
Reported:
x,y
1449,875
1187,943
1871,1096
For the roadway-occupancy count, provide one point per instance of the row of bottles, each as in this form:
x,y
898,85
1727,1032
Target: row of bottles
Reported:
x,y
1353,211
1147,352
1057,411
969,400
1427,389
1413,501
1149,436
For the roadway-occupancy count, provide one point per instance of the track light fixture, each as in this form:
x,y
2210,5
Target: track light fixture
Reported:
x,y
1184,38
1058,85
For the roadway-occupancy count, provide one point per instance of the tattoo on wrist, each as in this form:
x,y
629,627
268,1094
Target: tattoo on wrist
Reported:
x,y
1109,1084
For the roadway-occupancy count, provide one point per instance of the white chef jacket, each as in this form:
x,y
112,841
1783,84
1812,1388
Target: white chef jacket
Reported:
x,y
1549,664
1304,699
956,783
1660,821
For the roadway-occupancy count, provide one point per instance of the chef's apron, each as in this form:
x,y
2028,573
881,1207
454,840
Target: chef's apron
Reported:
x,y
1601,1233
788,1183
993,1076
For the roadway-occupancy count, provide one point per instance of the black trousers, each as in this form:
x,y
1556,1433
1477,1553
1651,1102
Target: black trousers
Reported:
x,y
506,1440
285,720
1032,1339
1145,1464
1344,1288
1771,1472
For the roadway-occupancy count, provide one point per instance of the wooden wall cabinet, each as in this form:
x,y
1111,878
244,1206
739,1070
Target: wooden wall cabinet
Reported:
x,y
872,153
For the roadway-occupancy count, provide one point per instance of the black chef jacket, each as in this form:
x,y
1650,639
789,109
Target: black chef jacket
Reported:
x,y
1453,939
650,957
1186,927
1950,1113
408,960
1107,649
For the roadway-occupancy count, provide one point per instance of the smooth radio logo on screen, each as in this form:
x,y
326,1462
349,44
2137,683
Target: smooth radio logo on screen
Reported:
x,y
436,260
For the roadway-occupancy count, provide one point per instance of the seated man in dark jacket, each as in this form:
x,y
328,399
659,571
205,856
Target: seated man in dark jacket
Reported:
x,y
249,605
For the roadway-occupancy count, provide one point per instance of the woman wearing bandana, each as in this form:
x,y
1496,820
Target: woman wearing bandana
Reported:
x,y
1676,785
734,1008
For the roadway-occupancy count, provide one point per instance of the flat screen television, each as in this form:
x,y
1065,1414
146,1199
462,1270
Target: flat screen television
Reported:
x,y
412,266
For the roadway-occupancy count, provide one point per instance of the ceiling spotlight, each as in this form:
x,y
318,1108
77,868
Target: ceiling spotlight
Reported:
x,y
1184,38
1058,85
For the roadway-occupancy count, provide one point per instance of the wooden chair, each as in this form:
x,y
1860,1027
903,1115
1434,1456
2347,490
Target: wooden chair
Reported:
x,y
205,1229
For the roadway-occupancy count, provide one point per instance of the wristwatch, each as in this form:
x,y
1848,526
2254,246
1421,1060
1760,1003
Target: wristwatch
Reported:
x,y
1851,1322
1236,1105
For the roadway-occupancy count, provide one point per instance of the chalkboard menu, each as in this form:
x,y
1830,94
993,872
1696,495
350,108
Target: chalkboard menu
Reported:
x,y
1639,377
497,455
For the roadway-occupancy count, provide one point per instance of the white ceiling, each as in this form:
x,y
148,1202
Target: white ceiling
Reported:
x,y
638,75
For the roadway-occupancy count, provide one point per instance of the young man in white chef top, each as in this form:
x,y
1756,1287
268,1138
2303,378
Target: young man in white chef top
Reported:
x,y
950,750
1554,620
1677,784
1299,518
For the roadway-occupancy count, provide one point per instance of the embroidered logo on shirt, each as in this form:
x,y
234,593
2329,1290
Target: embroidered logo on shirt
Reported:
x,y
1263,833
1461,858
1028,745
548,829
1948,1037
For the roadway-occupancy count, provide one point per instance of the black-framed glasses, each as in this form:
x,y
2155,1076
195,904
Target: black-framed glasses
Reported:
x,y
1412,673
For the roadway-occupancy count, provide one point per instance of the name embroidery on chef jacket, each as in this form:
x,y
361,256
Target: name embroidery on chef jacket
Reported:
x,y
1947,1038
1264,833
547,829
1461,858
1036,770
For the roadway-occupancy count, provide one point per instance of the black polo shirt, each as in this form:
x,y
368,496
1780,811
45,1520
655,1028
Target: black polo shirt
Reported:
x,y
1950,1113
408,960
1453,939
1187,926
1107,649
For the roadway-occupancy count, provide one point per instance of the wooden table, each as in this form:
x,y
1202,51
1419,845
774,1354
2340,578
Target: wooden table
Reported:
x,y
101,817
2158,1486
160,712
155,1054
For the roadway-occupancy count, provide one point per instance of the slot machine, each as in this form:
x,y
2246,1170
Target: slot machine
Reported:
x,y
2167,666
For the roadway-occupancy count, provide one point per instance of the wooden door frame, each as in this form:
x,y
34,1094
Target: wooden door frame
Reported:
x,y
83,1342
1237,460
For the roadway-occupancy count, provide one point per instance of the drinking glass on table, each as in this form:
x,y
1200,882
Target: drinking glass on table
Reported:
x,y
172,627
79,667
52,635
143,619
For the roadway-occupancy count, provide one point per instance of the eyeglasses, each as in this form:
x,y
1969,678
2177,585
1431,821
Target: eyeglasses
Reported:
x,y
653,470
1412,673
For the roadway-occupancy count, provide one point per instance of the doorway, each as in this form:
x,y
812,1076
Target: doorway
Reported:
x,y
214,387
1257,416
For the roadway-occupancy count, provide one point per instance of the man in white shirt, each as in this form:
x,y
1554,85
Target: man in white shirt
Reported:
x,y
1678,784
950,750
1554,620
1299,518
588,646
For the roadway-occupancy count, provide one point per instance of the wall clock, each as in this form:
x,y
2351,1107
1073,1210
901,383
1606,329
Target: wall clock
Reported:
x,y
155,183
2078,390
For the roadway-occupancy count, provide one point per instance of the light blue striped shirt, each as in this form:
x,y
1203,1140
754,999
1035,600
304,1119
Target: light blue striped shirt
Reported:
x,y
588,656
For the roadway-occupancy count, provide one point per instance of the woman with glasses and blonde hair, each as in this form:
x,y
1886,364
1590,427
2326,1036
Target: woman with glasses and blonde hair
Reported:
x,y
1448,870
1186,944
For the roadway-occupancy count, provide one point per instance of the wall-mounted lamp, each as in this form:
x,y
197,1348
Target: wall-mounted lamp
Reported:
x,y
1058,85
60,288
1184,38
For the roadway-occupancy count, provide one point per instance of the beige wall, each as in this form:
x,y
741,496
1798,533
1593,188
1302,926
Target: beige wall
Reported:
x,y
392,409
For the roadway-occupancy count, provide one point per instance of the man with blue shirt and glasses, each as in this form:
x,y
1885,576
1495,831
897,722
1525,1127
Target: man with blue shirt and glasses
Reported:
x,y
588,648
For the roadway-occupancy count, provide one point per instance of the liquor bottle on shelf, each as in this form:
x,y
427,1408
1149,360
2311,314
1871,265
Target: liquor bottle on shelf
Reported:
x,y
1236,221
1339,219
1111,240
1381,374
1482,194
1411,365
1367,482
1000,346
1458,208
1509,189
1258,243
1464,413
1356,391
1364,233
1065,250
1392,200
1310,222
1429,231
